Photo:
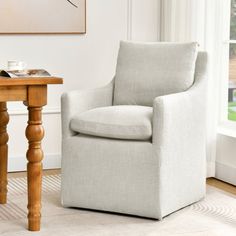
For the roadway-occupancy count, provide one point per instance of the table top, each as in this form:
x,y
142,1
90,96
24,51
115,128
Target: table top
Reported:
x,y
5,81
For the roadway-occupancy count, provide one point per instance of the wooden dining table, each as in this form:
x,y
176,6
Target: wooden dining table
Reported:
x,y
33,92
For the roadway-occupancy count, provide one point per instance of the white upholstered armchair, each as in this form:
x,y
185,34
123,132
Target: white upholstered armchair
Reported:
x,y
137,145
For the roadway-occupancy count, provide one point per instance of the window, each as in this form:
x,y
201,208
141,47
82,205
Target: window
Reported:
x,y
232,65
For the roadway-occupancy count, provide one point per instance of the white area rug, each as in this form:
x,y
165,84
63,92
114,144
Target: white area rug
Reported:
x,y
214,216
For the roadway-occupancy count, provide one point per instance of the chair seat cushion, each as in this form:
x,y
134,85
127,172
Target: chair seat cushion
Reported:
x,y
119,122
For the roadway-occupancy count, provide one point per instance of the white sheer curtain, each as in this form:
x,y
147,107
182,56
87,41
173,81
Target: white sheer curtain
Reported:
x,y
199,20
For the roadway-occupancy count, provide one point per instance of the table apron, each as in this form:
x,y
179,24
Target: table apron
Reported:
x,y
13,93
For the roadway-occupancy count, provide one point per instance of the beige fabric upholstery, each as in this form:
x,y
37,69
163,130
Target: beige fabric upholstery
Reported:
x,y
75,102
120,122
150,178
148,70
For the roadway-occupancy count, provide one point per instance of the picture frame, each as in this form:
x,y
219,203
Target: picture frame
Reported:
x,y
43,17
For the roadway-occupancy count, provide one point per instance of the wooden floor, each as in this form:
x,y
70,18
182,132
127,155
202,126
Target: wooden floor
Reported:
x,y
211,181
222,185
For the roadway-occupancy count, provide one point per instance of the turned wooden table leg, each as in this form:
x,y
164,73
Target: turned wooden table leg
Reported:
x,y
34,134
4,119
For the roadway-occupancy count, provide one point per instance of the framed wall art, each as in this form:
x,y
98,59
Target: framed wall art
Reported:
x,y
42,16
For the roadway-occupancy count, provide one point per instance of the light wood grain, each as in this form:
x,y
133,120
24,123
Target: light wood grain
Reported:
x,y
222,185
34,134
4,81
33,92
13,93
37,96
4,119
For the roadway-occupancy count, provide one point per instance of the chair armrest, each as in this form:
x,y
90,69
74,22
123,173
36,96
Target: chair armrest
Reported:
x,y
179,143
182,116
78,101
179,122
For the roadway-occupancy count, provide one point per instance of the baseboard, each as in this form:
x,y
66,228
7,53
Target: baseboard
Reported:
x,y
226,172
50,161
210,169
47,110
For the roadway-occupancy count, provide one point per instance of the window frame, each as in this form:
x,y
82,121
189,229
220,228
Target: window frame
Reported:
x,y
226,126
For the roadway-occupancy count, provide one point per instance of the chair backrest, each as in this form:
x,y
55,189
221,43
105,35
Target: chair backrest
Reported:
x,y
147,70
201,65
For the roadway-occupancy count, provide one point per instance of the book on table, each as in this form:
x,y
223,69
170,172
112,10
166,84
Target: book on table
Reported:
x,y
24,73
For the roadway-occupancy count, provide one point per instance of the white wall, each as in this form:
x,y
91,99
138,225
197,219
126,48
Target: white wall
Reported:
x,y
84,61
